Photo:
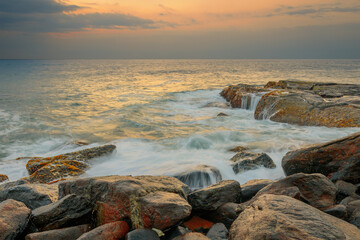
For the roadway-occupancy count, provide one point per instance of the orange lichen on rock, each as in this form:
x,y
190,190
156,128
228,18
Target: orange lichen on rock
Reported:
x,y
198,224
3,178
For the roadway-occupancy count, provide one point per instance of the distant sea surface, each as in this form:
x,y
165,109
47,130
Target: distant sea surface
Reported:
x,y
152,110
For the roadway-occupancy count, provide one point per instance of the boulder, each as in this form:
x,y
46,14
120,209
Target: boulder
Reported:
x,y
33,195
351,205
281,217
70,233
140,234
212,197
218,232
6,185
200,176
192,236
314,189
198,224
120,197
3,178
14,217
345,189
226,214
109,231
338,211
338,159
69,211
246,160
249,189
239,95
162,210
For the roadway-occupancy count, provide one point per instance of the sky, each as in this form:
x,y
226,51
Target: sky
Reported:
x,y
123,29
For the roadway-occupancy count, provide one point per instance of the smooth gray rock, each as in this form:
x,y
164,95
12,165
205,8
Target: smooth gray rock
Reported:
x,y
249,189
345,189
226,214
338,211
142,234
355,218
246,160
192,236
200,176
218,232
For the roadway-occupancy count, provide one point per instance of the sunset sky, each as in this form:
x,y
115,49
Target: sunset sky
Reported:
x,y
50,29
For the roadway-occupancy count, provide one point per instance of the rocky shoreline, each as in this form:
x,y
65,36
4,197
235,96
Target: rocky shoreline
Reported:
x,y
318,199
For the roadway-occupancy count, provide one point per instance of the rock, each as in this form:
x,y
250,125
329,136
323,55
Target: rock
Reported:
x,y
345,189
314,189
249,189
338,159
355,218
3,178
281,217
14,217
174,232
212,197
142,234
246,160
338,211
200,176
117,197
351,205
217,105
162,210
197,224
68,211
218,232
33,195
192,236
222,115
109,231
6,185
238,149
70,233
239,95
226,214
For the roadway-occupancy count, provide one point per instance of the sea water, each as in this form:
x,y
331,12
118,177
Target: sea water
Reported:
x,y
153,111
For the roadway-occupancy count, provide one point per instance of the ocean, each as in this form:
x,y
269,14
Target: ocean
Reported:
x,y
153,111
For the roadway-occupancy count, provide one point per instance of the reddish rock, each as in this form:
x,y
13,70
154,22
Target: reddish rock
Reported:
x,y
234,94
3,178
197,224
109,231
238,149
339,159
70,233
14,217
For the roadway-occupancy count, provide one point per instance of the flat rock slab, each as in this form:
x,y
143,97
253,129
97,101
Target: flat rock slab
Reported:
x,y
33,195
71,233
212,197
338,159
14,217
120,197
281,217
200,176
109,231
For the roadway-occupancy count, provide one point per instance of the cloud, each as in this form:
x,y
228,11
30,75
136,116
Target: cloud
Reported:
x,y
35,6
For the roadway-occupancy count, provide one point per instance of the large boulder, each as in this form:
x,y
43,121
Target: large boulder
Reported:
x,y
70,233
281,217
212,197
241,96
245,160
200,176
121,197
314,189
338,159
249,189
68,211
33,195
14,217
109,231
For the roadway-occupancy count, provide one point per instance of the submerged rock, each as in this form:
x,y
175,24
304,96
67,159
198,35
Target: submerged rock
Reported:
x,y
70,233
33,195
212,197
281,217
3,178
200,176
14,217
338,159
246,160
121,197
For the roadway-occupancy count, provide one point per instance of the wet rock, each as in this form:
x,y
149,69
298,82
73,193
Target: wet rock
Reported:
x,y
192,236
249,189
218,232
33,195
117,197
140,234
71,233
222,115
345,189
197,224
3,178
314,189
238,149
176,231
246,160
281,217
200,176
69,211
212,197
109,231
237,94
226,214
14,217
162,210
338,211
217,105
338,159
